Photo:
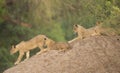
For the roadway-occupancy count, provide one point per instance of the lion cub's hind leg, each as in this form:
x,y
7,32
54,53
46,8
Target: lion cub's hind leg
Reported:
x,y
64,47
27,55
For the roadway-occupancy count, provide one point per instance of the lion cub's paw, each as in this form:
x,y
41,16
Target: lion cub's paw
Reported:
x,y
38,53
16,63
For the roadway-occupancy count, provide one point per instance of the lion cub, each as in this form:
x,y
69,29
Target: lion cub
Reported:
x,y
83,32
26,46
52,45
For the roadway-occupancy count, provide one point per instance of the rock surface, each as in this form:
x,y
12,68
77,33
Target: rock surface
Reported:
x,y
99,54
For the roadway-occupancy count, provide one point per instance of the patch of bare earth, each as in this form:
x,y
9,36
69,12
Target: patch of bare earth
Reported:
x,y
99,54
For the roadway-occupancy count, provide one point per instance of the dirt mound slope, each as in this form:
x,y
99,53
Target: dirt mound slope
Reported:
x,y
99,54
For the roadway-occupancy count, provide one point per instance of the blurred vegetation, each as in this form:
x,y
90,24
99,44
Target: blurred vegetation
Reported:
x,y
24,19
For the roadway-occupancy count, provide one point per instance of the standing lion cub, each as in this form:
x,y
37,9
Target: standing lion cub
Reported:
x,y
25,47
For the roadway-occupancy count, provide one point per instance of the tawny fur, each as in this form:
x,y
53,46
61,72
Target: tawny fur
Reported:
x,y
83,32
52,45
26,46
93,31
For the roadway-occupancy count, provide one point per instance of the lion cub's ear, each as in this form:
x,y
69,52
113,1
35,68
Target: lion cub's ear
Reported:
x,y
45,38
75,25
13,46
98,23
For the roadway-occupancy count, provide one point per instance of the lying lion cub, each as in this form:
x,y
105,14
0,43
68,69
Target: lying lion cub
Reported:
x,y
26,46
83,32
52,45
93,31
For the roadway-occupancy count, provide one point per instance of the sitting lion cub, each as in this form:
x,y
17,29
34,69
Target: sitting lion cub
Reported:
x,y
26,46
83,32
52,45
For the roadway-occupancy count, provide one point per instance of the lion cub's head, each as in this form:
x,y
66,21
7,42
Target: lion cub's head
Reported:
x,y
13,50
78,29
48,42
75,28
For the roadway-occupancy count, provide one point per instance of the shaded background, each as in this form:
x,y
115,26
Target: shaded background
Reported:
x,y
24,19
